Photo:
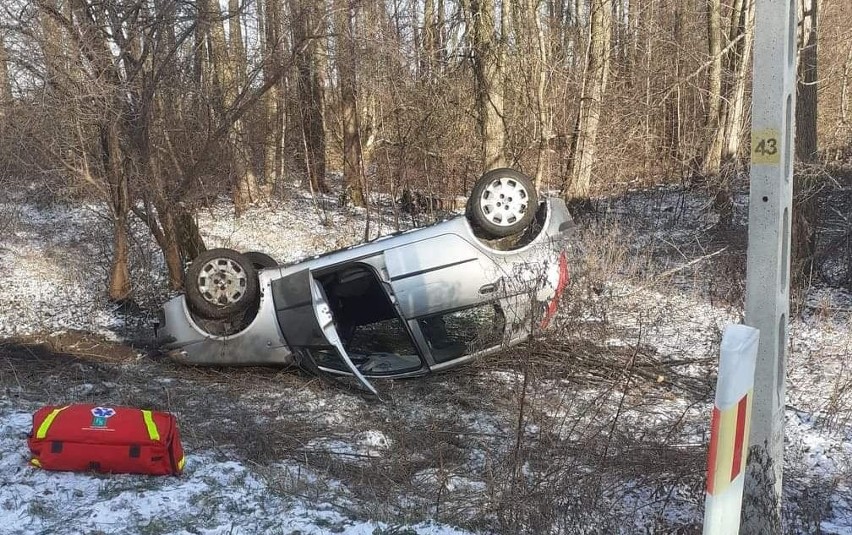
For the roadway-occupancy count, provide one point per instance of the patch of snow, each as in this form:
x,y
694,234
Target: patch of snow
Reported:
x,y
54,262
213,496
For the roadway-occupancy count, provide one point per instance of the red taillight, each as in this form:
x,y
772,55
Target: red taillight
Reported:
x,y
564,278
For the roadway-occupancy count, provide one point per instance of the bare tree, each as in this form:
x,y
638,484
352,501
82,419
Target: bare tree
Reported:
x,y
51,39
805,181
119,101
270,15
235,41
712,157
741,39
308,23
578,180
228,69
533,33
96,49
428,39
488,56
5,82
157,107
727,80
346,57
806,88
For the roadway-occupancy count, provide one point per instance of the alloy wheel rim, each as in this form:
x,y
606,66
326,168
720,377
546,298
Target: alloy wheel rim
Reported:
x,y
222,282
504,201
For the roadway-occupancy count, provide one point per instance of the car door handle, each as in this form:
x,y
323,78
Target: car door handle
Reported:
x,y
487,289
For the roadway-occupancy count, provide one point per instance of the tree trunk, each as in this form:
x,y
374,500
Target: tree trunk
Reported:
x,y
805,208
844,89
635,15
428,40
806,88
555,18
727,96
650,112
273,102
578,181
712,161
488,71
246,189
5,84
177,235
119,275
119,280
115,161
226,73
674,104
543,113
352,163
164,226
311,93
51,42
235,41
201,65
217,53
440,35
189,236
740,60
170,245
728,78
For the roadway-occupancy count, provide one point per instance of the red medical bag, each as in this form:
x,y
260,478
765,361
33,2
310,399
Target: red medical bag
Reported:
x,y
106,439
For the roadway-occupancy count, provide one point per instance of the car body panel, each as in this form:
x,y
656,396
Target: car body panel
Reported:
x,y
259,344
424,272
427,274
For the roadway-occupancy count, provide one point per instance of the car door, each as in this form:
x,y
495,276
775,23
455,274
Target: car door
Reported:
x,y
307,323
438,274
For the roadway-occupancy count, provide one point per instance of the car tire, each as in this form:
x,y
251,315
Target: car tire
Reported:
x,y
502,203
220,284
260,260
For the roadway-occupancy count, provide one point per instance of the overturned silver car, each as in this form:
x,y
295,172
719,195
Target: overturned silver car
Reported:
x,y
403,305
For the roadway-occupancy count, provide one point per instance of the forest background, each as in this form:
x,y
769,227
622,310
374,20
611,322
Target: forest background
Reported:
x,y
156,108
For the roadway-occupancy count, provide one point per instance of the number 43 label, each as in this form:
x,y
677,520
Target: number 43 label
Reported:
x,y
765,147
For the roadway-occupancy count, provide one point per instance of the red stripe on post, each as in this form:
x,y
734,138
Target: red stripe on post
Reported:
x,y
739,439
714,445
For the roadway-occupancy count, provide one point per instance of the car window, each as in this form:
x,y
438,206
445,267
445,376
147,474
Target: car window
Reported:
x,y
459,333
378,348
388,336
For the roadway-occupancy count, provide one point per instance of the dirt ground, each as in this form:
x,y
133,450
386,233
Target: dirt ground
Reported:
x,y
601,426
445,448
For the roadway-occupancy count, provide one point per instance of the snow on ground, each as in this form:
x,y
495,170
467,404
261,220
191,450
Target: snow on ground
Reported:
x,y
54,261
54,264
214,496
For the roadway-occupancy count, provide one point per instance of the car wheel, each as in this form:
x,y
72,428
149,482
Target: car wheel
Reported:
x,y
503,202
220,284
260,260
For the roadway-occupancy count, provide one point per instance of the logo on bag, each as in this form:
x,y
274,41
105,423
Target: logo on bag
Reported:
x,y
100,416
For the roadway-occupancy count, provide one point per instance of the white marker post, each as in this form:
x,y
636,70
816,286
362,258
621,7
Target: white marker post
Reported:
x,y
768,269
729,429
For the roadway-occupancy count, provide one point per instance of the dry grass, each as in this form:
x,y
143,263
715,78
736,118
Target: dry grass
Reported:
x,y
596,427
